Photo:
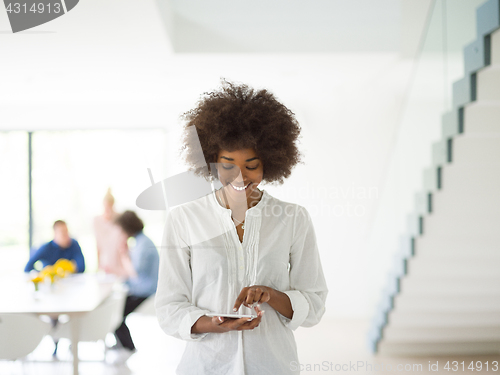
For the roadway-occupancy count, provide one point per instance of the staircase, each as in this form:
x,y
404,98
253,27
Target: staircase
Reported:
x,y
443,295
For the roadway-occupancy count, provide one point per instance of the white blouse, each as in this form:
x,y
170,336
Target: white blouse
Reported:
x,y
204,266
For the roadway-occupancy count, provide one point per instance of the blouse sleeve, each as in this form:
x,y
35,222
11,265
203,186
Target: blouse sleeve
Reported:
x,y
174,308
308,289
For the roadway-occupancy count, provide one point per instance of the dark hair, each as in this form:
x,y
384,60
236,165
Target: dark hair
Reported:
x,y
238,117
58,222
130,223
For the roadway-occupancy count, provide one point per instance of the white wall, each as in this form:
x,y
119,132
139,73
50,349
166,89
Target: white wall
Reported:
x,y
109,64
346,105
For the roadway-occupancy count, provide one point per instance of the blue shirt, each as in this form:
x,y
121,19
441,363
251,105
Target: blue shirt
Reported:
x,y
51,252
146,261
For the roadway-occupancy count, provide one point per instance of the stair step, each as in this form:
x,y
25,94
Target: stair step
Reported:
x,y
468,188
458,244
431,179
450,123
437,349
464,221
476,148
475,56
495,47
440,334
488,83
468,205
462,92
487,17
440,151
412,319
446,303
452,267
471,257
449,284
482,117
466,176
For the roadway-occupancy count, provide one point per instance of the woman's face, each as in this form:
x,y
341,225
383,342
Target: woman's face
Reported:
x,y
240,171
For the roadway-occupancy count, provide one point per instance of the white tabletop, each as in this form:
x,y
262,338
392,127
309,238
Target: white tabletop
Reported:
x,y
79,293
74,295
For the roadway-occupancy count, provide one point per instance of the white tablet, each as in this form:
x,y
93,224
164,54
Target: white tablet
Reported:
x,y
234,316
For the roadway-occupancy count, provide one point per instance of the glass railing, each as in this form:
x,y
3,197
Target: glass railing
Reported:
x,y
450,26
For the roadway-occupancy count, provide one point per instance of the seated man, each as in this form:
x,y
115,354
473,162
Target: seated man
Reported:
x,y
143,267
62,246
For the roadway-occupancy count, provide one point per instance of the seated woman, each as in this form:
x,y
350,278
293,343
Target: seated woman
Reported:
x,y
239,249
144,261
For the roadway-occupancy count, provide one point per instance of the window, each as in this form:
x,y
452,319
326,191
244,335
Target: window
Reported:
x,y
71,171
14,204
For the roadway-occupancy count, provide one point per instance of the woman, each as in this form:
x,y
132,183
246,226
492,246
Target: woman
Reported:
x,y
110,240
239,248
144,259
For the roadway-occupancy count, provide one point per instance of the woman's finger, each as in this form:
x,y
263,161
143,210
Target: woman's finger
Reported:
x,y
217,320
265,297
251,324
240,299
250,297
258,294
237,323
255,322
257,308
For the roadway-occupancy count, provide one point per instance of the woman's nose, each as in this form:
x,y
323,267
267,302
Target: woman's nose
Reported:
x,y
238,178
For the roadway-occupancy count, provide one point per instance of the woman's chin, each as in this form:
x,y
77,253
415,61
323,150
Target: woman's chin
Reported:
x,y
235,195
241,195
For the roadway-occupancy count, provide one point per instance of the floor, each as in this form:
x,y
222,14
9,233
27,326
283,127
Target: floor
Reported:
x,y
336,345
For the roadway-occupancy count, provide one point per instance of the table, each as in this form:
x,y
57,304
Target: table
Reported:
x,y
74,296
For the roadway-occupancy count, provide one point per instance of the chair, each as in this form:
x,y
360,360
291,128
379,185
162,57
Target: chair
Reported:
x,y
95,325
20,334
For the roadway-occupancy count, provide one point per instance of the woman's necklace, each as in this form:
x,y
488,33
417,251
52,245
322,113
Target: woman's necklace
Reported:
x,y
242,223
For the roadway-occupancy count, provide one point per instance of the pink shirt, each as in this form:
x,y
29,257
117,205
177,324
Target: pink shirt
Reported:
x,y
112,247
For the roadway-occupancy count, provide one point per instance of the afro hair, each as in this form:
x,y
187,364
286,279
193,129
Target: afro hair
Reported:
x,y
239,117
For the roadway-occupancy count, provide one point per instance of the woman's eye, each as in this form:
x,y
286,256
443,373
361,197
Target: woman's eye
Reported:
x,y
252,168
227,167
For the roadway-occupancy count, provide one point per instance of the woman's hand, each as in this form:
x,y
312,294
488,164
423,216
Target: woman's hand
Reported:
x,y
225,324
219,324
254,295
251,296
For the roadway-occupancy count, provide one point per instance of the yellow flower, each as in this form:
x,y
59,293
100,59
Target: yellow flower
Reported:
x,y
67,265
60,272
49,271
36,280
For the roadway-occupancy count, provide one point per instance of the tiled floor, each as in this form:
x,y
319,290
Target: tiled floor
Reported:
x,y
335,343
